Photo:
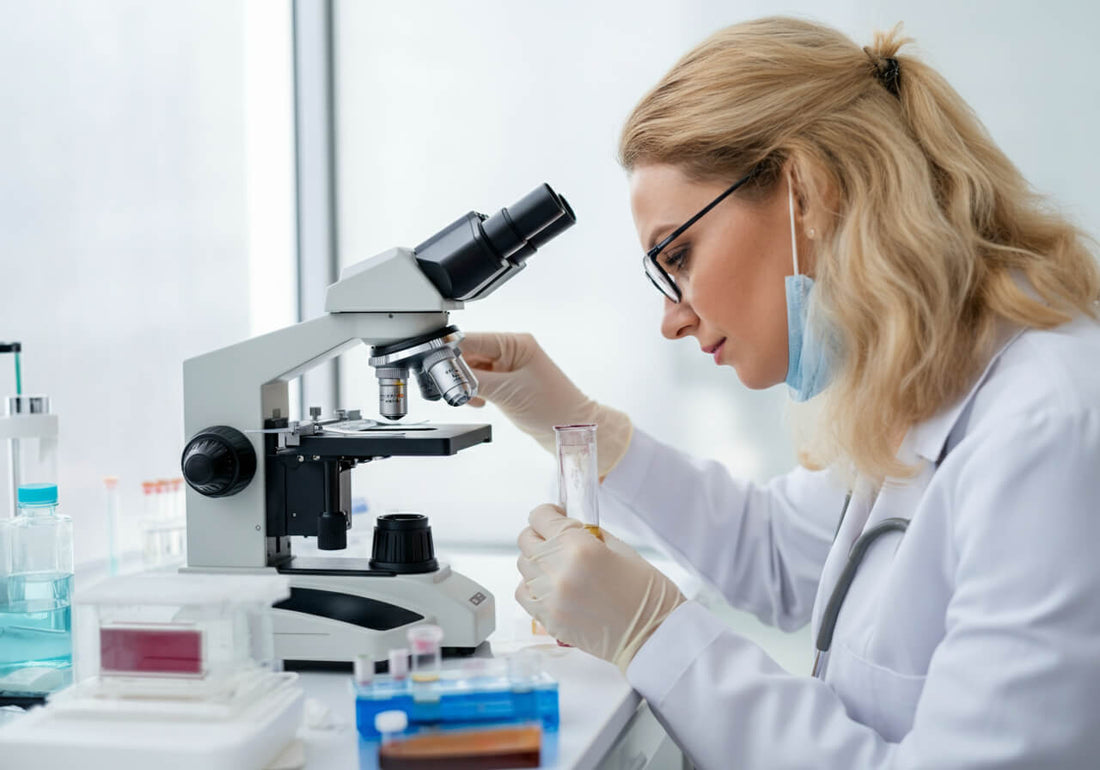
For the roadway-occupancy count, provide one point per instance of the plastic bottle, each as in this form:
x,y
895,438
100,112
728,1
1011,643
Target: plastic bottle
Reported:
x,y
425,641
36,614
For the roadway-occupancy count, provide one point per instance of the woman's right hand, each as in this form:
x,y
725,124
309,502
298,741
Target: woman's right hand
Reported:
x,y
516,375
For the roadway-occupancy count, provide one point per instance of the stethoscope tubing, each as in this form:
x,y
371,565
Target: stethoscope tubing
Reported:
x,y
840,591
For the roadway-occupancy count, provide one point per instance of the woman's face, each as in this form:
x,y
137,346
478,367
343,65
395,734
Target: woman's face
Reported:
x,y
730,267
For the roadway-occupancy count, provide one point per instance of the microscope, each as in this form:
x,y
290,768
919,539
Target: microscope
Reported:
x,y
256,478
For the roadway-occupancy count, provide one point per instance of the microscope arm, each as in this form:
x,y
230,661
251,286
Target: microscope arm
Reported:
x,y
378,301
224,387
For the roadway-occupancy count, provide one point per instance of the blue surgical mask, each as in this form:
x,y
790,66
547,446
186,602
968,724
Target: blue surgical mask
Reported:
x,y
809,353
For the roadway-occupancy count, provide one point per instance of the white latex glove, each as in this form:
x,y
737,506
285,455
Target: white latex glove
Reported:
x,y
599,596
514,373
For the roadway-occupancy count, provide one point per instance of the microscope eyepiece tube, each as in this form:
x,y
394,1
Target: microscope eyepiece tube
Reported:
x,y
473,255
540,210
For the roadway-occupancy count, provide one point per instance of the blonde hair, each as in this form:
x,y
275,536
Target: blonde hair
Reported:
x,y
928,230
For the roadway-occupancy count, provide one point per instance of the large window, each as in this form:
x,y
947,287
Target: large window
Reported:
x,y
146,216
445,107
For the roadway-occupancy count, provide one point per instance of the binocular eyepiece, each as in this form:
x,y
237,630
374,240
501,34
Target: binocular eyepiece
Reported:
x,y
476,254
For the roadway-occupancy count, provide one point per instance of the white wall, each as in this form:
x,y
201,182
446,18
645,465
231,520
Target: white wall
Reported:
x,y
125,220
444,107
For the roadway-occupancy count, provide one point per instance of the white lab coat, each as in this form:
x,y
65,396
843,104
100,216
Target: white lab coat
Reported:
x,y
971,641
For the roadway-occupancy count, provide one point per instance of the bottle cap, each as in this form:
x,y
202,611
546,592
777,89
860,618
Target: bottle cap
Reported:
x,y
423,639
391,721
38,494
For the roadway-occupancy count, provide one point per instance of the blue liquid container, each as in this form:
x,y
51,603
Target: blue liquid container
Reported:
x,y
460,698
36,579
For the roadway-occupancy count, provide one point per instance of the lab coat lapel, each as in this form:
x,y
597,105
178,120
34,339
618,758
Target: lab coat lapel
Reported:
x,y
894,500
899,498
855,517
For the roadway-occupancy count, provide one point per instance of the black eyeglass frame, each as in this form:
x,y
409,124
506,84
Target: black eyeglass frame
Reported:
x,y
653,270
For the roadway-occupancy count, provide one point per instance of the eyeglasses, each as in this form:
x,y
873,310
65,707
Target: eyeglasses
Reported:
x,y
664,282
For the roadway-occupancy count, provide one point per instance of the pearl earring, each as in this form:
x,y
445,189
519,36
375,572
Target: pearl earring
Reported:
x,y
811,232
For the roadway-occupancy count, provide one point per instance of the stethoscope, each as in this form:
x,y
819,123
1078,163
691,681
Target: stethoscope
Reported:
x,y
840,592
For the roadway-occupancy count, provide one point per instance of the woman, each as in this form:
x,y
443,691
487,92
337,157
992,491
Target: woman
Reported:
x,y
836,218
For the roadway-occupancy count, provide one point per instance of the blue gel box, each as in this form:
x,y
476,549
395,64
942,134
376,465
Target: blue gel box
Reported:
x,y
459,698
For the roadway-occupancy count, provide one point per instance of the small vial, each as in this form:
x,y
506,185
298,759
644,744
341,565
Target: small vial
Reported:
x,y
32,448
399,664
427,654
364,670
523,668
578,474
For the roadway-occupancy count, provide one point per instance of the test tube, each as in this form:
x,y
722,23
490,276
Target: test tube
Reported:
x,y
110,485
523,668
578,474
399,664
364,670
177,525
150,533
426,652
163,502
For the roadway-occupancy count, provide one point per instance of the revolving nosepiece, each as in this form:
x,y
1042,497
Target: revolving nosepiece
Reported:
x,y
440,371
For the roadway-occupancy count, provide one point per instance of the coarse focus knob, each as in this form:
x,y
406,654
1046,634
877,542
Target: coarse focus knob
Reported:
x,y
403,544
218,461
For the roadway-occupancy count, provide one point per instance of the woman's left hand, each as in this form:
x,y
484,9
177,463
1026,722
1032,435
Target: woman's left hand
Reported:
x,y
600,596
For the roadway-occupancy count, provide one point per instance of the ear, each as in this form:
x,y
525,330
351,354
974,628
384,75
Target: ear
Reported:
x,y
815,194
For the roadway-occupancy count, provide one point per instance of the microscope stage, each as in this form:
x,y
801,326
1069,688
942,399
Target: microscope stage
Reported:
x,y
393,441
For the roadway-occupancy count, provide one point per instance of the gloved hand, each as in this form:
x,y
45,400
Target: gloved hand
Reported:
x,y
514,373
600,596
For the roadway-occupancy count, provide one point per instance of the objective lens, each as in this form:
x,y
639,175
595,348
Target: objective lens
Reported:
x,y
428,390
393,397
467,372
451,376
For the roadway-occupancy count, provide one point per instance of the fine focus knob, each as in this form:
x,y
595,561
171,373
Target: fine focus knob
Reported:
x,y
403,544
218,461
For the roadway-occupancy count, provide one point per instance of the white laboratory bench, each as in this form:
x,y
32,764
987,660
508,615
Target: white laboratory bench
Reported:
x,y
604,723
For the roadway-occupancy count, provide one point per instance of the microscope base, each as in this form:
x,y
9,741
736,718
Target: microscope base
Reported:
x,y
336,617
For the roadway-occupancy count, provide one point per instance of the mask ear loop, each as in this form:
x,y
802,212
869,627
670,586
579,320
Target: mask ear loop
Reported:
x,y
790,208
